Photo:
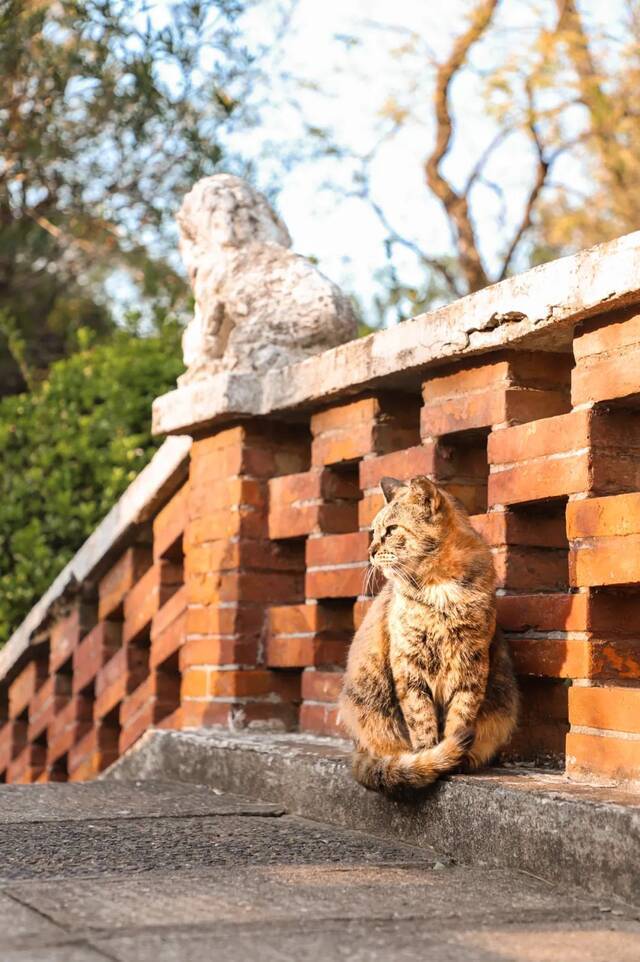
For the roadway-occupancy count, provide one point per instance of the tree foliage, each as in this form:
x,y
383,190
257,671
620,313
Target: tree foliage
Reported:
x,y
555,90
68,449
106,118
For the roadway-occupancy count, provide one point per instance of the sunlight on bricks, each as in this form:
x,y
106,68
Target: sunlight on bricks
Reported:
x,y
234,603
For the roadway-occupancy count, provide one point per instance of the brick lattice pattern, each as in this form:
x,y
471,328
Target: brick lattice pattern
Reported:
x,y
235,604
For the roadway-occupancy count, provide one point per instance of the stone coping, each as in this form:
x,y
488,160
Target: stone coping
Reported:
x,y
532,820
536,309
155,483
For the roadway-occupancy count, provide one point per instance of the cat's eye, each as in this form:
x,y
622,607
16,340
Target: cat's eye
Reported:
x,y
390,528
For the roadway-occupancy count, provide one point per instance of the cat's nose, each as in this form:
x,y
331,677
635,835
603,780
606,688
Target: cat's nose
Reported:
x,y
372,549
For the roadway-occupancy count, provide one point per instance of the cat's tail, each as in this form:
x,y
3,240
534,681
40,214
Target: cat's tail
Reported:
x,y
390,773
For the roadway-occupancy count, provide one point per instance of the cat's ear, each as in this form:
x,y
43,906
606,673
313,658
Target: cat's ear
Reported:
x,y
390,486
427,491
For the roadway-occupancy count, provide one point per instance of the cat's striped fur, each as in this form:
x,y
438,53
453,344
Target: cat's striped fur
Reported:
x,y
429,685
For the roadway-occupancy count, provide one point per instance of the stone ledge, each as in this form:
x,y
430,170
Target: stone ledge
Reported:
x,y
533,310
537,822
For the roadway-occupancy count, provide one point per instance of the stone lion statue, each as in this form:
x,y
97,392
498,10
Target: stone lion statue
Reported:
x,y
258,305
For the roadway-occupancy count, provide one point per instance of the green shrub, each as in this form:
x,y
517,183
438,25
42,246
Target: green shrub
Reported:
x,y
67,452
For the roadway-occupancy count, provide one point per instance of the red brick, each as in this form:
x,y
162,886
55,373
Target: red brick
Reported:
x,y
59,746
25,685
228,620
607,377
605,561
120,578
135,730
302,651
168,642
121,675
227,555
50,699
310,618
207,495
601,454
338,549
346,432
148,596
539,370
368,508
346,582
576,657
263,451
248,714
491,407
67,633
298,520
320,484
544,699
605,612
242,521
509,388
543,612
607,352
27,766
264,588
94,752
13,738
365,410
172,721
336,565
171,610
321,686
602,517
211,650
403,465
56,686
169,525
518,528
77,709
522,568
158,694
211,683
542,743
613,709
608,334
94,651
589,754
319,719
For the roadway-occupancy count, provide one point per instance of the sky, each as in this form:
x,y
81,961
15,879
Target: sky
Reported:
x,y
358,60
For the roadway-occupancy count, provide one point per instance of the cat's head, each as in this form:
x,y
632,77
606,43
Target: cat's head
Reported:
x,y
410,530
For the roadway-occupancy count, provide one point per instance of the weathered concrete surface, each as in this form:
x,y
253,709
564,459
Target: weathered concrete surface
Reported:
x,y
536,309
538,822
120,874
163,475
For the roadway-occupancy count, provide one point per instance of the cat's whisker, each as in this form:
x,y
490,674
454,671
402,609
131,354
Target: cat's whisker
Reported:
x,y
368,580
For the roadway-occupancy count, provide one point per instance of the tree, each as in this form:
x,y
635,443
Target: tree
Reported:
x,y
69,448
106,118
558,92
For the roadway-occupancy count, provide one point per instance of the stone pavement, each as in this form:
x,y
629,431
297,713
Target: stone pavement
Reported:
x,y
137,871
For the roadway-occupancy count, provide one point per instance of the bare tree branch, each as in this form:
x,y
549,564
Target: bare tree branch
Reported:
x,y
542,169
435,263
456,205
602,110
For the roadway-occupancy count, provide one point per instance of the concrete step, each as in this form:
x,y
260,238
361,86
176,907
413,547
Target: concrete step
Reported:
x,y
534,821
143,871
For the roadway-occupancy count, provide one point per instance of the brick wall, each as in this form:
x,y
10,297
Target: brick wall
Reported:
x,y
234,602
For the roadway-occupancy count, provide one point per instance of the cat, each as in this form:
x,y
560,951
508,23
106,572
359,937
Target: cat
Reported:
x,y
429,685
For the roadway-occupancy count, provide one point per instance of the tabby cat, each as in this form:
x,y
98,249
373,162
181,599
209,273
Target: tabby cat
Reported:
x,y
429,685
